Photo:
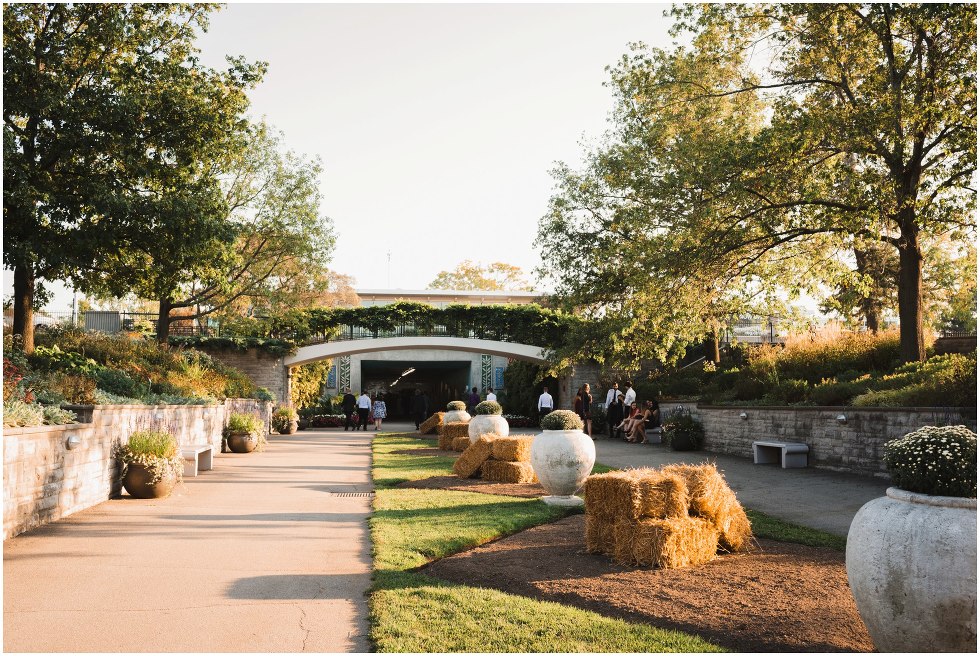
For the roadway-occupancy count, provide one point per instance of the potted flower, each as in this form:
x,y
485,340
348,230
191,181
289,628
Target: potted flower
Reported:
x,y
151,463
455,411
912,554
488,420
285,420
243,432
683,432
562,456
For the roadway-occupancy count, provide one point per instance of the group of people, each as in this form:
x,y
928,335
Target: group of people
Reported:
x,y
358,410
625,418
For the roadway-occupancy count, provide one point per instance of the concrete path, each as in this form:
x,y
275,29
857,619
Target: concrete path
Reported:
x,y
810,497
258,555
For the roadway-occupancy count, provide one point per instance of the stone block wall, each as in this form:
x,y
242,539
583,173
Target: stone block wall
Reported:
x,y
44,480
569,383
263,369
854,445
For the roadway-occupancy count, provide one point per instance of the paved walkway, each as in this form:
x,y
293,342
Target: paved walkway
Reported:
x,y
257,555
810,497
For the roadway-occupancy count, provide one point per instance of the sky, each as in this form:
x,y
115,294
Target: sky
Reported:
x,y
437,125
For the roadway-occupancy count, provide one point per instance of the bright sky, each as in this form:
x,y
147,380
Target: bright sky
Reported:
x,y
437,125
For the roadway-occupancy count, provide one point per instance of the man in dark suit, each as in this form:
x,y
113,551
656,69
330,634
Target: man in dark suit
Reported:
x,y
420,407
348,404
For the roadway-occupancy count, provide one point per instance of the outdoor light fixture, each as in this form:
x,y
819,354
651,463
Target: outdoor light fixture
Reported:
x,y
407,371
72,442
842,419
743,416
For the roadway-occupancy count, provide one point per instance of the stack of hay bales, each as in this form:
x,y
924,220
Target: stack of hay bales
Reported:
x,y
468,464
673,517
461,443
509,461
451,431
432,424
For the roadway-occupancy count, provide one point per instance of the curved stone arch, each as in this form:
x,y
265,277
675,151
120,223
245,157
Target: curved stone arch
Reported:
x,y
306,354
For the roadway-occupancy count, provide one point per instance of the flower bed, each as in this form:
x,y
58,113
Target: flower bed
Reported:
x,y
520,421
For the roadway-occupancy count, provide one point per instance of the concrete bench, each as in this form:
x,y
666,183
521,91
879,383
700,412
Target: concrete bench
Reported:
x,y
789,454
196,458
654,435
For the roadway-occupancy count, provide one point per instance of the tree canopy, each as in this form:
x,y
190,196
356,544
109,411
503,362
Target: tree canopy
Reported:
x,y
496,276
747,162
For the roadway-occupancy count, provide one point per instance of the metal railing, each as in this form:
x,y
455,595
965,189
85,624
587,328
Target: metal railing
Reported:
x,y
114,322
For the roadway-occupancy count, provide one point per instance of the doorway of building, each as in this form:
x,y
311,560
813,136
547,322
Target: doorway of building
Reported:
x,y
442,381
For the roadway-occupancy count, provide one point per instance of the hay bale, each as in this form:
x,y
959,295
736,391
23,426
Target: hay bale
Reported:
x,y
431,425
711,498
460,443
501,471
600,535
445,443
455,429
468,464
666,543
635,493
513,449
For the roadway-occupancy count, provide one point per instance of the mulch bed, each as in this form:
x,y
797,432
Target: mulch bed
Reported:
x,y
782,597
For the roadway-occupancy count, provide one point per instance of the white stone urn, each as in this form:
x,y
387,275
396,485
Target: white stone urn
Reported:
x,y
562,459
455,415
487,424
912,568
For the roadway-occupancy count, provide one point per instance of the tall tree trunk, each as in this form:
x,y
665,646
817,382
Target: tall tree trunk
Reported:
x,y
24,284
868,306
913,348
163,322
715,344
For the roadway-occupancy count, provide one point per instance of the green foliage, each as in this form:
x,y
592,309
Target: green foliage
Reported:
x,y
47,359
682,432
830,392
455,406
282,416
158,451
523,382
265,394
308,380
944,380
788,392
54,416
74,389
937,460
771,528
562,420
497,276
20,413
489,408
121,383
277,347
242,423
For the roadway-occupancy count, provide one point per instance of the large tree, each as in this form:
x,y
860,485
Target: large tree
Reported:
x,y
108,118
496,276
781,134
263,236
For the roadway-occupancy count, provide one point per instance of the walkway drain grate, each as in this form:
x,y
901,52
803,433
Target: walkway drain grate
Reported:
x,y
353,494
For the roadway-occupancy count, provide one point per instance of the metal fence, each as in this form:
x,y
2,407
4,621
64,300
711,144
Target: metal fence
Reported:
x,y
110,321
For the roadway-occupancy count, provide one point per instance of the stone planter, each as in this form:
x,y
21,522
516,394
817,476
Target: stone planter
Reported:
x,y
243,442
456,415
487,424
291,427
912,568
562,459
137,483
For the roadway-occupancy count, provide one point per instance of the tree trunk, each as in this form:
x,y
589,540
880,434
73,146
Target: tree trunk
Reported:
x,y
913,348
24,283
715,345
868,306
163,322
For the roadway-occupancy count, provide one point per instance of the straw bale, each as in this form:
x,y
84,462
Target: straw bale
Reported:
x,y
712,499
513,449
468,464
635,493
600,535
456,429
501,471
460,443
445,442
666,543
431,425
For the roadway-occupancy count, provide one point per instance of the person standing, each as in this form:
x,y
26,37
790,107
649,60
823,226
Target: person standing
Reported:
x,y
490,395
420,407
545,403
348,405
587,409
612,394
630,394
614,414
472,401
577,405
380,411
363,409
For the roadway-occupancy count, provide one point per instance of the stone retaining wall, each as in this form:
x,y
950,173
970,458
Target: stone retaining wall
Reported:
x,y
853,445
264,370
44,480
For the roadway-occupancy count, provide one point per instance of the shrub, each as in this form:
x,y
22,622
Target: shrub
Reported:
x,y
749,388
54,359
120,383
831,392
74,388
813,357
55,416
943,380
787,392
19,413
520,421
935,460
455,406
157,451
242,423
265,394
281,418
488,408
108,398
562,420
682,432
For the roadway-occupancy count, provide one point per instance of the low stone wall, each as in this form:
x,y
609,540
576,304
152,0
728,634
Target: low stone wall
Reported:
x,y
853,445
44,480
263,369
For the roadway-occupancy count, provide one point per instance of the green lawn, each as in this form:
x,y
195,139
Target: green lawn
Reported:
x,y
764,526
411,612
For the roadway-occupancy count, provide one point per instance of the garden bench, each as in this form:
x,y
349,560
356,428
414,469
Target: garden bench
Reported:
x,y
196,458
789,454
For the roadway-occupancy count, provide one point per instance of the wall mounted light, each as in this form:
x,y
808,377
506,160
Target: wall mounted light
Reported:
x,y
72,442
841,419
743,416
